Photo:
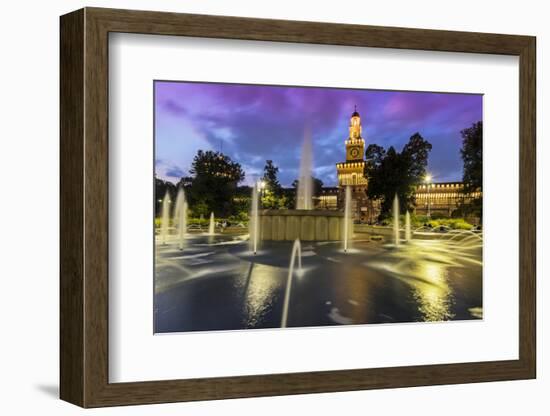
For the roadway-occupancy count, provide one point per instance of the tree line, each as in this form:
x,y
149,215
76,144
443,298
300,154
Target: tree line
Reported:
x,y
391,172
213,186
214,181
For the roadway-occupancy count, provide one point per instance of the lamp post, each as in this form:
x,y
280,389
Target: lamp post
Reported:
x,y
261,186
427,180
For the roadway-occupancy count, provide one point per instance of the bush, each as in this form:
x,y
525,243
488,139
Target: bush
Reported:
x,y
242,216
460,224
418,220
158,221
437,221
453,223
438,216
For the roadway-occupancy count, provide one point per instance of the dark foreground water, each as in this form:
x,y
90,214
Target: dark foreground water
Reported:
x,y
216,283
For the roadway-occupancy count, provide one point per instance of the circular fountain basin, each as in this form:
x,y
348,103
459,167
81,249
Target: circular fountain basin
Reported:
x,y
304,224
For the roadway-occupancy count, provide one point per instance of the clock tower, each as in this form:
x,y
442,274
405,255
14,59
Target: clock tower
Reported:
x,y
350,172
355,145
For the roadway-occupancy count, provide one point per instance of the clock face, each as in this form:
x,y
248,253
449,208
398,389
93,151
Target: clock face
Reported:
x,y
354,152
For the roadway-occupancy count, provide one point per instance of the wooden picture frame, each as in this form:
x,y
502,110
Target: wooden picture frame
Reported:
x,y
84,207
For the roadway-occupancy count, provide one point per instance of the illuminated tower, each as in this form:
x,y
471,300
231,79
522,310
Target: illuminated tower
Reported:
x,y
350,172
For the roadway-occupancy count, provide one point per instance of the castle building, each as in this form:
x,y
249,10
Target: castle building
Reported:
x,y
441,197
350,173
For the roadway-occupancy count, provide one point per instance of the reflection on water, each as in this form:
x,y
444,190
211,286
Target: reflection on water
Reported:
x,y
337,317
425,265
434,296
260,293
216,283
476,312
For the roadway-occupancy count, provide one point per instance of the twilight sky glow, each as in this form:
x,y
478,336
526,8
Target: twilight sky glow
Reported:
x,y
252,123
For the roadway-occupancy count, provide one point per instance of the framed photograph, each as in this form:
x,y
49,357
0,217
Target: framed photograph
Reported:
x,y
255,207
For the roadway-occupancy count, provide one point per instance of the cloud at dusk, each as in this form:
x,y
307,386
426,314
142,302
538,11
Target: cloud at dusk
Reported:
x,y
252,123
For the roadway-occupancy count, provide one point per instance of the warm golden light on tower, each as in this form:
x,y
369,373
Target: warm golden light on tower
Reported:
x,y
350,173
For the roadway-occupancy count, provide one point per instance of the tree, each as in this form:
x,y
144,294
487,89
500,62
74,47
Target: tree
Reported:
x,y
216,165
374,156
472,152
270,201
242,202
416,153
200,209
289,197
272,194
316,182
317,185
270,178
392,173
161,187
472,176
185,182
214,182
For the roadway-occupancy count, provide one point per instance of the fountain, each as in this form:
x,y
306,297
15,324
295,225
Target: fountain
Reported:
x,y
304,198
253,224
347,218
408,234
180,216
396,220
165,218
305,222
211,225
296,249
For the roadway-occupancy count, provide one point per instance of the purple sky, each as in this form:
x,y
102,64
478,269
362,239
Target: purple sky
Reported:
x,y
252,123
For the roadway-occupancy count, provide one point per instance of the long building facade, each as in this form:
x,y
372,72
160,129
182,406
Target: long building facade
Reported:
x,y
440,197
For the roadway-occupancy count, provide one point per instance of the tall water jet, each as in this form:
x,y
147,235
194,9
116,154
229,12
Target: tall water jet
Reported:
x,y
396,220
253,224
180,217
408,234
165,218
347,218
211,225
296,250
304,198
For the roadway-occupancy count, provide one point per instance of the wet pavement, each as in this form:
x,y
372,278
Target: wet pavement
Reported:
x,y
217,283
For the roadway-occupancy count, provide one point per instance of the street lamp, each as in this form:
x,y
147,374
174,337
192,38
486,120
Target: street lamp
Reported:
x,y
427,180
261,187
